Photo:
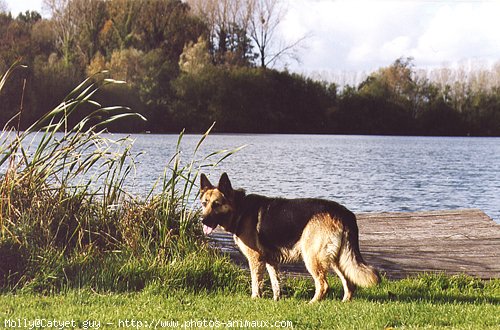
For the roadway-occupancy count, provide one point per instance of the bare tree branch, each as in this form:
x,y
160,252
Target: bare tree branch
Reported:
x,y
266,17
4,8
259,20
287,51
64,27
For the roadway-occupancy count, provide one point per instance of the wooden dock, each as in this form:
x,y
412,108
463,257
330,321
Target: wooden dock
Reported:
x,y
405,244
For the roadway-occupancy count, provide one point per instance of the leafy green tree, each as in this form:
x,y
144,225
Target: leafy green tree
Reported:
x,y
195,57
189,63
482,113
15,39
156,92
89,17
167,24
395,83
29,17
244,99
121,29
388,101
440,119
43,38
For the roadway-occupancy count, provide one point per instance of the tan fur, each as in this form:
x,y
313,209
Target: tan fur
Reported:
x,y
214,195
358,273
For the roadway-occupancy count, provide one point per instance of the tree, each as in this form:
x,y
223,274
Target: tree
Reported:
x,y
29,17
89,18
395,83
227,22
121,27
77,24
156,91
388,100
15,40
43,38
195,57
246,24
169,25
126,65
65,30
264,21
266,17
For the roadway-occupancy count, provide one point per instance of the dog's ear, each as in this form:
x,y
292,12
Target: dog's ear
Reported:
x,y
205,183
225,185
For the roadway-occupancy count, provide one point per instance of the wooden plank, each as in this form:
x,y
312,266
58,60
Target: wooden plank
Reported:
x,y
458,241
402,244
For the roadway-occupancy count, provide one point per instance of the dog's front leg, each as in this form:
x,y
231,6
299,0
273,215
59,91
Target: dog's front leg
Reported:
x,y
257,274
272,269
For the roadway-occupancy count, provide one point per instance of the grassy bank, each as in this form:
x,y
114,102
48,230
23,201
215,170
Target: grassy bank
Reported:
x,y
427,302
67,221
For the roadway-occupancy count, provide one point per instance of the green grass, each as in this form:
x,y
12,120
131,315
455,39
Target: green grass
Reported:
x,y
426,302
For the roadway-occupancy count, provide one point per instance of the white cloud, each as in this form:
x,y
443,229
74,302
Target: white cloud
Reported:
x,y
395,48
460,32
356,35
352,34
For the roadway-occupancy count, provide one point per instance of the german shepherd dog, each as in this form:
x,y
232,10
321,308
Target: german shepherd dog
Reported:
x,y
269,231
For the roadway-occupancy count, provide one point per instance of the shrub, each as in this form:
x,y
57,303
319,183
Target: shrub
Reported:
x,y
65,214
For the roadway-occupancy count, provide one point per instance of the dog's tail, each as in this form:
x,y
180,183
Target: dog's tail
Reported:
x,y
351,262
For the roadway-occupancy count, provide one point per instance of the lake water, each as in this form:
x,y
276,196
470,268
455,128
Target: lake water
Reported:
x,y
365,173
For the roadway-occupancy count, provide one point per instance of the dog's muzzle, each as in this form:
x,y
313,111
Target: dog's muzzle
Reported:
x,y
209,224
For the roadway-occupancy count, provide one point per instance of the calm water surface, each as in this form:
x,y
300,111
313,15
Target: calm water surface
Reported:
x,y
365,173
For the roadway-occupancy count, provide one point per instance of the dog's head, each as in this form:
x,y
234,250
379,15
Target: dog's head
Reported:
x,y
216,203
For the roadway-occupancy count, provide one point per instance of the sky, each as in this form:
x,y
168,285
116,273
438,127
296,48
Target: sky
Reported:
x,y
362,35
356,35
17,6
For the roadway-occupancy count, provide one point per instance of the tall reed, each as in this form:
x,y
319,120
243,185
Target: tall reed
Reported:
x,y
65,211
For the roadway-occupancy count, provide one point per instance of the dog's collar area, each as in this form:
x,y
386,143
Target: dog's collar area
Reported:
x,y
236,226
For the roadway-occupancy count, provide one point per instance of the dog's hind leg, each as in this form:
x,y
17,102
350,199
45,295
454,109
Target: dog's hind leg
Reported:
x,y
349,288
275,282
318,273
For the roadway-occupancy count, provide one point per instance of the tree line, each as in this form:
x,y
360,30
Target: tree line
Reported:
x,y
190,63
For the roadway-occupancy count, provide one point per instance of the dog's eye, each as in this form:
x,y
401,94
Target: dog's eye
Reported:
x,y
204,204
215,205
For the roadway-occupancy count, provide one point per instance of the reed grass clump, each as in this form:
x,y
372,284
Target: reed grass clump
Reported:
x,y
66,219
